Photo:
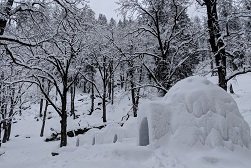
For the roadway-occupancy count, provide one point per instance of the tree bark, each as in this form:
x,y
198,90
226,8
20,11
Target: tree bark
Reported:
x,y
9,124
133,90
41,107
41,101
104,106
63,121
44,118
45,111
0,133
5,135
4,113
92,99
112,101
6,10
105,81
216,42
8,121
73,92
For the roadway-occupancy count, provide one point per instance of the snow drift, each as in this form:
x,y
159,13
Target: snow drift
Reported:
x,y
194,112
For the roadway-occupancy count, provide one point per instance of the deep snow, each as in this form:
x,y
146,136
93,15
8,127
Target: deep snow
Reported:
x,y
28,150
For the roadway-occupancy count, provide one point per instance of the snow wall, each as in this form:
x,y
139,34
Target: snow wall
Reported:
x,y
194,112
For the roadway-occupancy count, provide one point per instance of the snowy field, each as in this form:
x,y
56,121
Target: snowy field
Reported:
x,y
27,150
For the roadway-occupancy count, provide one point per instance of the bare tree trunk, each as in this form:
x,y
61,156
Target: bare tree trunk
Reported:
x,y
85,86
4,113
45,111
5,128
92,99
217,44
9,123
109,89
20,101
104,106
8,118
6,10
41,102
138,92
110,83
44,118
41,107
73,92
112,90
135,92
63,121
105,81
1,108
122,79
0,133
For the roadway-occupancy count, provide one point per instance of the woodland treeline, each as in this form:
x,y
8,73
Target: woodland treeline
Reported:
x,y
59,45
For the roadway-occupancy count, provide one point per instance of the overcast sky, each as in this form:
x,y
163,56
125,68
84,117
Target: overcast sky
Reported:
x,y
106,7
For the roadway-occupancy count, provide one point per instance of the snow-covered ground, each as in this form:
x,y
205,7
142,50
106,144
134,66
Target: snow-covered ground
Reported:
x,y
27,150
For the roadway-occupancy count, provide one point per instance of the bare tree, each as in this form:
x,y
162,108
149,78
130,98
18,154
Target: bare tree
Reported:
x,y
54,60
217,41
173,46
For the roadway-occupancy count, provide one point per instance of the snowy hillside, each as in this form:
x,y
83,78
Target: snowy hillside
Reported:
x,y
116,146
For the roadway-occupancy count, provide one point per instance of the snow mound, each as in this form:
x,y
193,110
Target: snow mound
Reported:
x,y
194,112
112,133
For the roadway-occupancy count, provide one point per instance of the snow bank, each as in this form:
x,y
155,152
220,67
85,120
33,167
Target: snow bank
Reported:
x,y
194,112
112,133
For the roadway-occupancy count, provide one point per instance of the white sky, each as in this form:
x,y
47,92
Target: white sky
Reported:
x,y
106,7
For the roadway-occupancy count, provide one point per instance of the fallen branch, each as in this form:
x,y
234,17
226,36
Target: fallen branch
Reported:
x,y
72,133
238,72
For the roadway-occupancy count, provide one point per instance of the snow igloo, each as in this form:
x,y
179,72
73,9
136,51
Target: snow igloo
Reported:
x,y
193,112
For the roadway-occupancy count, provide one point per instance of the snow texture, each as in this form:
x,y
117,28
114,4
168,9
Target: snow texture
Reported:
x,y
195,112
112,133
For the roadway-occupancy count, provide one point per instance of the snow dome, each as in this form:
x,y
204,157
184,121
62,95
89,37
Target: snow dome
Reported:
x,y
193,112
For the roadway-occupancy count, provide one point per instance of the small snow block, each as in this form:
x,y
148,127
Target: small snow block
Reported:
x,y
16,135
54,153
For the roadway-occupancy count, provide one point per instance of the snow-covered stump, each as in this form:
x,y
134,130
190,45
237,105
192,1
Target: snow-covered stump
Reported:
x,y
194,112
